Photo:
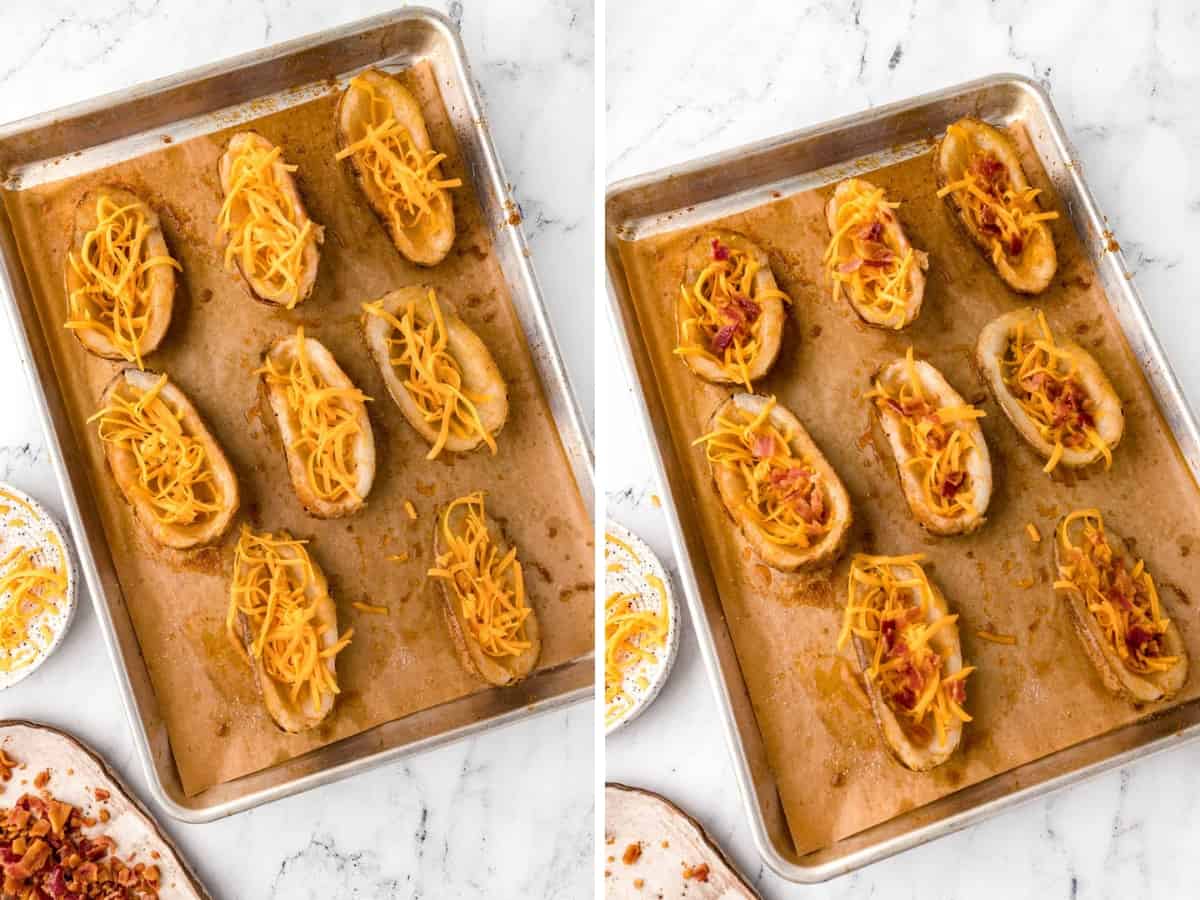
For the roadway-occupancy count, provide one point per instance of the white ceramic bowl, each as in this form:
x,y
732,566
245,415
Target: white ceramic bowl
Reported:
x,y
632,579
32,526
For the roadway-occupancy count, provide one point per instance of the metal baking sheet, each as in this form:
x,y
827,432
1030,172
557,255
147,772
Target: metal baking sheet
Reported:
x,y
119,126
750,176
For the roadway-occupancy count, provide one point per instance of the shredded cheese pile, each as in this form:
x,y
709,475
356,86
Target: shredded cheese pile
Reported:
x,y
32,588
1041,376
175,474
632,635
992,204
328,423
418,348
723,309
489,588
1122,598
939,448
266,236
114,263
405,176
270,592
887,608
863,257
785,498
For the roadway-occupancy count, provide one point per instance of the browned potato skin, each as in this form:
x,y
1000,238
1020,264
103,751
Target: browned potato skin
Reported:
x,y
910,755
125,469
291,716
497,671
732,492
1117,679
427,243
1034,269
481,375
311,255
1110,419
275,401
162,278
771,319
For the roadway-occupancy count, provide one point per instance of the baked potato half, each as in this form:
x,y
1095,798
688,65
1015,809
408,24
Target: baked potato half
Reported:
x,y
939,449
979,174
869,259
322,423
437,369
1052,390
120,276
1118,616
494,627
776,484
284,624
381,135
166,462
907,645
268,235
730,313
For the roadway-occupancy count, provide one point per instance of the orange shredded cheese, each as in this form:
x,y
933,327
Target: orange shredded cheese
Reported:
x,y
419,350
400,557
488,587
408,178
1041,376
635,629
996,638
888,603
724,312
1119,593
264,229
371,608
864,258
1034,534
114,264
410,510
936,438
32,587
328,423
610,538
175,474
271,591
785,498
993,205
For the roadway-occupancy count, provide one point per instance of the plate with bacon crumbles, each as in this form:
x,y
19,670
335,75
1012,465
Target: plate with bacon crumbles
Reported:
x,y
70,828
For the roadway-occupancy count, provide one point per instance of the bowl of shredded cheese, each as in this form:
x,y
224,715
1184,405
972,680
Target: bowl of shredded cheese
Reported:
x,y
37,585
641,626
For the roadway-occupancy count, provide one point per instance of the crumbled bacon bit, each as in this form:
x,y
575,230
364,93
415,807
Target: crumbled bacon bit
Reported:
x,y
719,251
696,873
639,883
7,764
101,794
872,232
632,854
41,779
105,815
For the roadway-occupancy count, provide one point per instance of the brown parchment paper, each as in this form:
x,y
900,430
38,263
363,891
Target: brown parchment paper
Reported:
x,y
399,663
833,774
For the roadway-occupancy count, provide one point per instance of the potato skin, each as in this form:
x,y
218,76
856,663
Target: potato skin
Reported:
x,y
1038,262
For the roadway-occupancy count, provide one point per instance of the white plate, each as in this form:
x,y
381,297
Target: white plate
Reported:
x,y
19,526
632,579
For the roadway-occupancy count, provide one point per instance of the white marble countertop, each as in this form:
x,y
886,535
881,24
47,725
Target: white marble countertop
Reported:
x,y
690,77
437,825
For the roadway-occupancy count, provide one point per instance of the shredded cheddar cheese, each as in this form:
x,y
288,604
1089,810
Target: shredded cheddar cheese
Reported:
x,y
724,312
889,598
1042,378
864,257
32,587
610,538
1119,593
488,588
175,475
407,178
993,205
1032,531
327,422
265,231
270,597
419,350
114,266
996,638
373,609
785,498
633,635
939,444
